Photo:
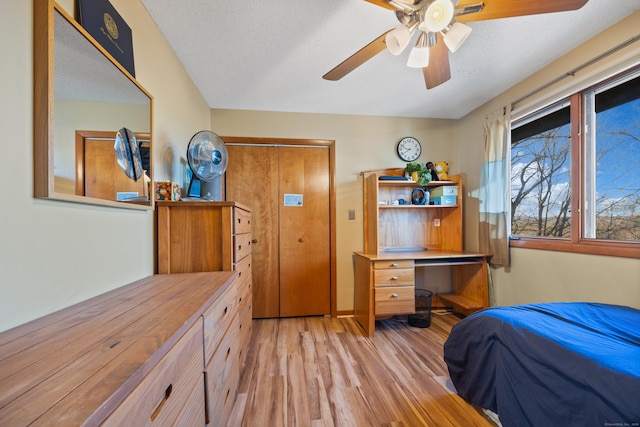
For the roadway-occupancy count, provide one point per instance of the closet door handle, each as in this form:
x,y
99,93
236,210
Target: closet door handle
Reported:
x,y
254,241
301,240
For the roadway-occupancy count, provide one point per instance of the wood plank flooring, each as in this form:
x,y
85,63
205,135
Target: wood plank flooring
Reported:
x,y
321,371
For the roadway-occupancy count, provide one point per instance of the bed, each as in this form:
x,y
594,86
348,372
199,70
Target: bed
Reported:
x,y
555,364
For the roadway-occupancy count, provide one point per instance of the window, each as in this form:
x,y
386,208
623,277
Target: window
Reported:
x,y
575,172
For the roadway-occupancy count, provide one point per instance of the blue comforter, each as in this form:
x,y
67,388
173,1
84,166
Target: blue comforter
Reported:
x,y
556,364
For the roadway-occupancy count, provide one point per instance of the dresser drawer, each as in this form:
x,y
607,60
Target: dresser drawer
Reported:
x,y
241,221
243,267
193,413
162,394
222,376
394,277
223,396
241,246
245,326
217,320
394,300
221,363
393,264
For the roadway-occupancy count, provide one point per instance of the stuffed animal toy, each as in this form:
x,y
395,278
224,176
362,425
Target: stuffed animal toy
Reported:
x,y
441,170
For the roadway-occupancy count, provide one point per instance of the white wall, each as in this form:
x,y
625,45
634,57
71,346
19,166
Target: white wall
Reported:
x,y
536,275
54,254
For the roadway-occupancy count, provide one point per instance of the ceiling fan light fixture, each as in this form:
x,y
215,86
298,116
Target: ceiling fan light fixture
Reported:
x,y
438,15
455,35
398,39
419,56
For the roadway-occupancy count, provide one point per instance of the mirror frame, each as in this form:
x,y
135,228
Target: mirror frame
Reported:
x,y
43,52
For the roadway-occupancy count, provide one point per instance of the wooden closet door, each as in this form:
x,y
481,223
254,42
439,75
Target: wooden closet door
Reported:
x,y
252,179
305,284
291,255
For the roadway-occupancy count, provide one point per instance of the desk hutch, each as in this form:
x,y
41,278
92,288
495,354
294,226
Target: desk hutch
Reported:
x,y
398,238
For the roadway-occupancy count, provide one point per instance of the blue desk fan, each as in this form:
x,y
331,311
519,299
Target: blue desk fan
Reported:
x,y
207,157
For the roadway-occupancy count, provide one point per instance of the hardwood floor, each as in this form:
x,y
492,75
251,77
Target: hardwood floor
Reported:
x,y
321,371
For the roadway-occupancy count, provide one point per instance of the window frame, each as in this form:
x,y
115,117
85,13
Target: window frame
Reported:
x,y
576,243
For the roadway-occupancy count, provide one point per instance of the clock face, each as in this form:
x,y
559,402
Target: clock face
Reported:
x,y
409,149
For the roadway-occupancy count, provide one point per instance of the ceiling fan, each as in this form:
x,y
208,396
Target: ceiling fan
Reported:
x,y
441,28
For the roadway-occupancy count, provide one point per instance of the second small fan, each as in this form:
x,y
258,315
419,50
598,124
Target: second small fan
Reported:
x,y
207,157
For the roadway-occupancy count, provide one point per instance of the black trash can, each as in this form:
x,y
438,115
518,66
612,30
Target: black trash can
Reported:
x,y
422,317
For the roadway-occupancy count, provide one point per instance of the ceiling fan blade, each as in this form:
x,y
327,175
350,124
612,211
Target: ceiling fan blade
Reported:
x,y
357,59
494,9
382,3
438,70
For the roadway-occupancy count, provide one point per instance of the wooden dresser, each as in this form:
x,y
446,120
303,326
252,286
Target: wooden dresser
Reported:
x,y
165,350
197,236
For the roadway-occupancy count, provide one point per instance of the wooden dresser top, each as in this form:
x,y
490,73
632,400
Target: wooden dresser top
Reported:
x,y
76,365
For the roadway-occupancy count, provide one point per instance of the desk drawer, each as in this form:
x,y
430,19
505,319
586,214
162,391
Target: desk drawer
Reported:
x,y
241,221
241,246
167,388
394,300
394,277
393,263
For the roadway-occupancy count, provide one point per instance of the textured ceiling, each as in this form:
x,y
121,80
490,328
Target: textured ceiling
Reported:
x,y
271,55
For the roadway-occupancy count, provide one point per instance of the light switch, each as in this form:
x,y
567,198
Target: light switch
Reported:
x,y
352,214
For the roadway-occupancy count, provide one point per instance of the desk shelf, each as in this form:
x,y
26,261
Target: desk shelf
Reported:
x,y
417,206
461,304
438,229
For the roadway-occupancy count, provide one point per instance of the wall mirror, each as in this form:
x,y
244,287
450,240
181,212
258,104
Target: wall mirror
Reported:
x,y
82,97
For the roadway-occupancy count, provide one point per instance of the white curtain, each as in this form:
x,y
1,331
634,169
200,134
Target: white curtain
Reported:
x,y
494,194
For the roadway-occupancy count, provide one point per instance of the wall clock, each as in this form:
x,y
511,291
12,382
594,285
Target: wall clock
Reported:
x,y
409,149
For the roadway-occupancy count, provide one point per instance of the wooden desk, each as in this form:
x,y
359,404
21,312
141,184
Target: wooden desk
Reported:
x,y
385,282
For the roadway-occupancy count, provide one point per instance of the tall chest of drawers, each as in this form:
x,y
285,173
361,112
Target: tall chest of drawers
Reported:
x,y
194,236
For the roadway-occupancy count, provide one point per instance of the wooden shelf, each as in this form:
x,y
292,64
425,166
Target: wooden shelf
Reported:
x,y
416,206
392,183
461,304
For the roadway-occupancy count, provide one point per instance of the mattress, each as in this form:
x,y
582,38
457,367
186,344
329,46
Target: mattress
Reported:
x,y
556,364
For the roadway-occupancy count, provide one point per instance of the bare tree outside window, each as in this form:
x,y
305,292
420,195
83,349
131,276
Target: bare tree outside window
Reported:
x,y
608,161
617,183
540,181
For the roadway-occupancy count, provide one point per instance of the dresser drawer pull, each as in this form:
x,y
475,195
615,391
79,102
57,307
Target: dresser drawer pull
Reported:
x,y
394,264
164,400
394,278
394,296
